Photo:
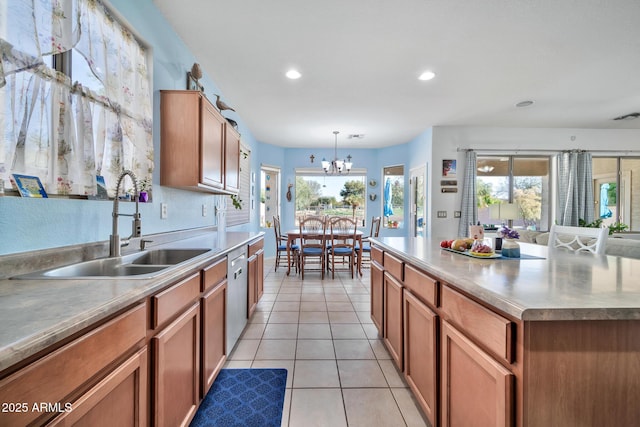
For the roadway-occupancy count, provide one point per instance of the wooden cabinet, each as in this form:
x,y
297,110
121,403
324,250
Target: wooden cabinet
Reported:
x,y
255,280
199,151
214,310
421,354
476,389
377,296
176,353
392,318
176,372
93,373
120,399
232,160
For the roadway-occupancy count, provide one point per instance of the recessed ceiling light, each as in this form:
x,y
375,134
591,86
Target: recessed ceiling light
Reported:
x,y
524,103
427,75
293,74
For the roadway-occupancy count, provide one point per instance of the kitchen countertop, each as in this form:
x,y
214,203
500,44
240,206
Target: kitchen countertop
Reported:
x,y
37,313
562,286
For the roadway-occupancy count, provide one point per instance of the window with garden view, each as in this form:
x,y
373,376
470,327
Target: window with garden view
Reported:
x,y
523,181
341,195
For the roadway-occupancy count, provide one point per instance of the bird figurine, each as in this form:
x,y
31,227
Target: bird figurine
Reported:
x,y
221,105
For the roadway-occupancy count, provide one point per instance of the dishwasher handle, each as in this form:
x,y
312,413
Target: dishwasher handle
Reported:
x,y
237,259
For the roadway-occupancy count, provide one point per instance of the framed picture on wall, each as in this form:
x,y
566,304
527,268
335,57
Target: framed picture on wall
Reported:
x,y
449,168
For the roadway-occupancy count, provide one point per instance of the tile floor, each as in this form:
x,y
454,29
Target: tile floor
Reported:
x,y
339,372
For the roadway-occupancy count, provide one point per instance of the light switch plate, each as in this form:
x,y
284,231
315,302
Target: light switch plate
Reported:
x,y
442,214
163,211
457,214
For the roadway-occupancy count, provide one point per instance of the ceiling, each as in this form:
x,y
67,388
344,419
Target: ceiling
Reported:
x,y
578,60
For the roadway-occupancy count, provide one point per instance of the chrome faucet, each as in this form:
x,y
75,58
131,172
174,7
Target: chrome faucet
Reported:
x,y
114,240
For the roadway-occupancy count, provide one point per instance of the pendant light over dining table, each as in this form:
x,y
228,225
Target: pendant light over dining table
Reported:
x,y
336,166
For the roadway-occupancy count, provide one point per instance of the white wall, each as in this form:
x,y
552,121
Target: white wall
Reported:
x,y
448,139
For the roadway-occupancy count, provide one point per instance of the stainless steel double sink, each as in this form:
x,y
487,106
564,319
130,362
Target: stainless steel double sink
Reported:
x,y
139,265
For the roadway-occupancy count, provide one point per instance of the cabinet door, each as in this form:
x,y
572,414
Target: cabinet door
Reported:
x,y
120,399
420,353
176,370
212,146
252,294
476,389
232,160
377,284
260,275
392,318
214,314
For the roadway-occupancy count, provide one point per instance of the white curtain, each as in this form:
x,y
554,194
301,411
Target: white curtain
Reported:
x,y
575,188
469,206
65,133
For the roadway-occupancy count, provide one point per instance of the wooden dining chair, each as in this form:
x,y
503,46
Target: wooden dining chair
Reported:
x,y
366,244
342,244
281,245
312,244
579,239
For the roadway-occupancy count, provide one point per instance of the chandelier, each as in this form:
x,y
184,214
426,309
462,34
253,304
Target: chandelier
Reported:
x,y
336,166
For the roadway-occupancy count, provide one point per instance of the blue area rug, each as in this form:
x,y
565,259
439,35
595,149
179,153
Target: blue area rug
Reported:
x,y
244,398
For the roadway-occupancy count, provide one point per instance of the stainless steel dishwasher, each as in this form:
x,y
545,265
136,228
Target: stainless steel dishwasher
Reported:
x,y
236,295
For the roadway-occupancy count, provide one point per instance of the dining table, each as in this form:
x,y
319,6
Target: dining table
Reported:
x,y
293,235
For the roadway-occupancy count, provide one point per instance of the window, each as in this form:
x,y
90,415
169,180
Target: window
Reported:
x,y
77,101
333,195
523,181
239,207
393,197
269,194
616,181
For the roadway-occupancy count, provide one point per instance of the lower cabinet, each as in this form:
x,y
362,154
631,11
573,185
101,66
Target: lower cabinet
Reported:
x,y
476,389
260,274
214,314
120,399
377,277
392,318
255,283
420,354
176,371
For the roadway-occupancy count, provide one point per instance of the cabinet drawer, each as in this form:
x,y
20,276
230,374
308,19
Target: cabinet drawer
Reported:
x,y
214,274
421,285
489,329
57,375
394,266
255,247
169,302
376,254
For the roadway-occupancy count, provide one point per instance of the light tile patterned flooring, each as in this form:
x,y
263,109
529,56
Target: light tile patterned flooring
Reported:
x,y
339,372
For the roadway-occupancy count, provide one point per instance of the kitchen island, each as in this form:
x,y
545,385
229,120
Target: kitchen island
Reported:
x,y
549,339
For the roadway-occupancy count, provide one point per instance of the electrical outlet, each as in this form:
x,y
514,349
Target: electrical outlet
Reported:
x,y
457,214
442,214
163,211
204,209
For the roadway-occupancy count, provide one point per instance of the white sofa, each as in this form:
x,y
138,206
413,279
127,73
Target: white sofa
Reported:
x,y
616,246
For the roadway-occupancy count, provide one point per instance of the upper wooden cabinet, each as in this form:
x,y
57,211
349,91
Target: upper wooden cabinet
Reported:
x,y
199,150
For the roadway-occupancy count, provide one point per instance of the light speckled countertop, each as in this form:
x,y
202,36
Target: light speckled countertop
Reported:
x,y
35,314
563,286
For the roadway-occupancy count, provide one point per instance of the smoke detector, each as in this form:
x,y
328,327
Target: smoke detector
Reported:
x,y
356,136
628,116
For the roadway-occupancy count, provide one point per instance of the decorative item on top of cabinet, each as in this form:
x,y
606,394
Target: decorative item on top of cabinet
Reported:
x,y
221,104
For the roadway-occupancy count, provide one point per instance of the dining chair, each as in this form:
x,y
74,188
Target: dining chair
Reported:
x,y
312,243
342,244
579,239
281,245
366,244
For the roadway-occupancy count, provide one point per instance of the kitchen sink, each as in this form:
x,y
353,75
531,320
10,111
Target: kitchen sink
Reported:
x,y
140,265
167,256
